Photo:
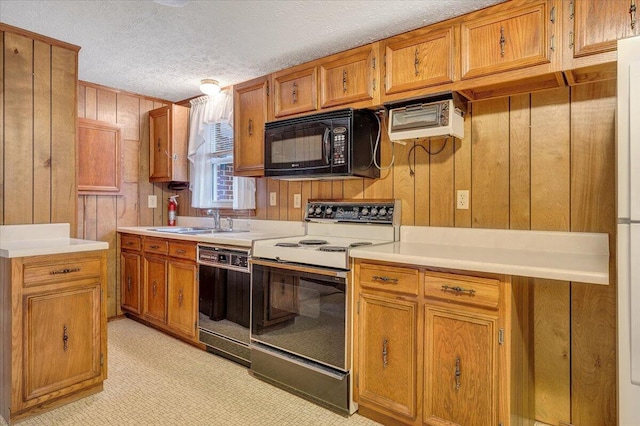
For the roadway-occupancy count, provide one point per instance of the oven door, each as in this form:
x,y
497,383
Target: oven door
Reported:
x,y
301,310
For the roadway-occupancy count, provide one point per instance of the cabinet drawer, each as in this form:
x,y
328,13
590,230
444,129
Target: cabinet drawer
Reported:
x,y
182,250
130,242
43,273
484,292
155,245
389,278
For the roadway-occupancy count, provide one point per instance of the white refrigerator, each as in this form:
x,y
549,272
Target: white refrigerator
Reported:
x,y
628,258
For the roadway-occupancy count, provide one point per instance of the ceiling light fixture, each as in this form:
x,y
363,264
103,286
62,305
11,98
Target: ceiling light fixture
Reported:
x,y
209,86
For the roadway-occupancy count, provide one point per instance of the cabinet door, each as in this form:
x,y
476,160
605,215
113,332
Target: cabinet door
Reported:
x,y
511,39
348,77
130,282
250,113
160,149
62,340
387,360
418,59
181,299
595,26
460,372
99,157
296,91
155,282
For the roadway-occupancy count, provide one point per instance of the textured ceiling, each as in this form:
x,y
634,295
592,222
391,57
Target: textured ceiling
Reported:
x,y
162,51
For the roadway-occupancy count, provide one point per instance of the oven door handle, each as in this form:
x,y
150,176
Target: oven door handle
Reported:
x,y
300,268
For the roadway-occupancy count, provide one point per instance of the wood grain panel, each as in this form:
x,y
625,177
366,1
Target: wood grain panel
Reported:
x,y
462,170
41,132
131,161
320,190
80,225
90,217
593,308
442,199
2,84
403,183
127,205
283,199
107,106
18,130
145,188
91,103
382,188
261,198
82,100
550,160
353,189
295,187
490,164
128,114
420,161
64,78
273,212
337,190
520,162
306,192
106,231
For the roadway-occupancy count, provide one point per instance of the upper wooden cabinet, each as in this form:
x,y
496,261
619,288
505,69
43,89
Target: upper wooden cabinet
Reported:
x,y
507,38
295,90
99,157
350,77
168,138
592,29
251,106
421,58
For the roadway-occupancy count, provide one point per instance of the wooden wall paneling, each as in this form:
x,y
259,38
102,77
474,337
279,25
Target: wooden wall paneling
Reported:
x,y
131,161
81,213
295,187
18,131
382,188
128,114
337,190
404,183
160,213
261,198
127,205
283,199
2,88
353,189
593,307
420,162
91,103
107,106
42,132
441,189
320,190
490,164
549,210
145,188
273,212
106,225
91,217
306,192
462,171
64,79
520,162
82,100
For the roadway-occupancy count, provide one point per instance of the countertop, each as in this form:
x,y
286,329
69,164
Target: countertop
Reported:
x,y
42,239
566,256
255,230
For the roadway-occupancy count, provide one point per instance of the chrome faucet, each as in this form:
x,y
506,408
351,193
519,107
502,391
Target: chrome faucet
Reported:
x,y
216,217
230,223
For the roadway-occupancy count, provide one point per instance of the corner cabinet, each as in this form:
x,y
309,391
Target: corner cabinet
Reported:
x,y
434,347
168,139
55,334
250,111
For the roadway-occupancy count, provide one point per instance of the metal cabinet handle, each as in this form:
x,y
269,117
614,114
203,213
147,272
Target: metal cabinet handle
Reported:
x,y
458,289
155,246
385,280
159,144
295,92
384,353
129,243
416,62
64,271
180,297
154,289
503,41
129,284
344,81
458,373
632,13
181,251
250,127
65,337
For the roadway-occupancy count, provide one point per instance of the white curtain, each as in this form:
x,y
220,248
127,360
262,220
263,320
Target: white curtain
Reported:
x,y
208,110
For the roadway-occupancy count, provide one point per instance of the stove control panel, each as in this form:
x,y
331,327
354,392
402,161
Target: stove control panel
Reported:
x,y
365,211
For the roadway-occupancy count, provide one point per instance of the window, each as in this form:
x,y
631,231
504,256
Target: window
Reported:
x,y
220,142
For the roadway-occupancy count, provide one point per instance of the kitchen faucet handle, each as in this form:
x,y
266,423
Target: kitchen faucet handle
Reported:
x,y
230,223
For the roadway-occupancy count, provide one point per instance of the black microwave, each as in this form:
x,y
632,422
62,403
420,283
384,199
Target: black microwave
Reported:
x,y
332,145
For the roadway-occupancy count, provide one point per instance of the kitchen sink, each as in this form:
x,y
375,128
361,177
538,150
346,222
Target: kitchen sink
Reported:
x,y
195,230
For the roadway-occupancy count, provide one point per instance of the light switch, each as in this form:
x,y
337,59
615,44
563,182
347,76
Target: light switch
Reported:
x,y
152,201
297,201
272,199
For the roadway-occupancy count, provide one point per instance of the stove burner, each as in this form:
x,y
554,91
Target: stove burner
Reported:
x,y
287,245
333,248
312,242
360,243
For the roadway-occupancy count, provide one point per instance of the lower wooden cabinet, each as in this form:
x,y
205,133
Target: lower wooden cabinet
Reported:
x,y
162,273
54,330
435,347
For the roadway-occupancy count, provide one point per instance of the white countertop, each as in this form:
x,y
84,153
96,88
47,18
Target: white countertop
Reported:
x,y
566,256
42,239
256,230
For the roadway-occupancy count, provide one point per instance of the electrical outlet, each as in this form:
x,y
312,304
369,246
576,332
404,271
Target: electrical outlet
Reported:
x,y
272,199
462,202
152,201
297,201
